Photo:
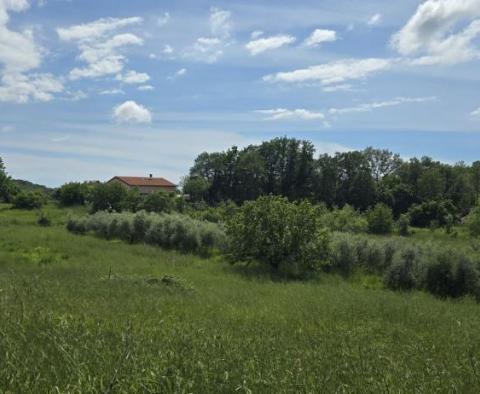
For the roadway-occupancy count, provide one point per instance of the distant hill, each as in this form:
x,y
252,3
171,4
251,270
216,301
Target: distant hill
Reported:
x,y
30,187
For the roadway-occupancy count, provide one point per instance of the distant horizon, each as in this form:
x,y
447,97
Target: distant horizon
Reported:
x,y
329,148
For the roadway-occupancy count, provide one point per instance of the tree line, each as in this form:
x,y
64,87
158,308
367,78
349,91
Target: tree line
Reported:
x,y
430,191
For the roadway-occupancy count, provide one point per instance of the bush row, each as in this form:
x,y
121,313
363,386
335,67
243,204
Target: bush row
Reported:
x,y
171,231
444,272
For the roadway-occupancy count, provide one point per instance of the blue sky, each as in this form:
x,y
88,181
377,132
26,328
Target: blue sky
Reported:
x,y
92,89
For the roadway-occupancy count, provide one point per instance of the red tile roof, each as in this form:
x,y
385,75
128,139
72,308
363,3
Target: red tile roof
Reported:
x,y
144,181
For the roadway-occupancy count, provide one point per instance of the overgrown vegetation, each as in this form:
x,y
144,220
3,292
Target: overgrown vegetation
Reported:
x,y
82,314
168,231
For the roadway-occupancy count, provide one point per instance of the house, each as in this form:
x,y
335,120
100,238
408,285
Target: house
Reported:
x,y
145,185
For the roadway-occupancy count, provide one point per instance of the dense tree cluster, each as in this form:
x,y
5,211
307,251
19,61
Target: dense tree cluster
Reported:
x,y
431,191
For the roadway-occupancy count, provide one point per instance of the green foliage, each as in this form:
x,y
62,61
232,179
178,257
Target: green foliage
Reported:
x,y
380,219
73,193
29,200
452,274
7,187
196,188
403,225
279,234
346,219
473,221
159,202
44,219
168,231
402,274
108,196
439,212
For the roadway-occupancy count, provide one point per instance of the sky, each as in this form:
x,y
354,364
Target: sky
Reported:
x,y
93,89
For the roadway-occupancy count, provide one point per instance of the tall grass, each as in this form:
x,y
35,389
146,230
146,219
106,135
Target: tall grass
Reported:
x,y
94,319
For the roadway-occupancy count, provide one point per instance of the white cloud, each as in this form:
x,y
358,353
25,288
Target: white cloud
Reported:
x,y
476,113
255,34
94,30
133,77
210,49
332,113
206,49
431,32
320,36
337,88
20,88
131,112
375,20
264,44
100,48
167,49
220,23
145,88
19,54
333,73
111,92
381,104
164,19
178,74
295,114
181,72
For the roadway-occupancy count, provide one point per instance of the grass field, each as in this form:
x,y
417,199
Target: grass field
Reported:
x,y
80,314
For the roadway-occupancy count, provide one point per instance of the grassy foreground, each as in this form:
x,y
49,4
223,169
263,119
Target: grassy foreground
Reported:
x,y
80,314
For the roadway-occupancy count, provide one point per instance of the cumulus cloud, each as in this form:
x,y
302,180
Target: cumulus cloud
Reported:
x,y
100,47
133,77
333,73
436,34
320,36
264,44
19,55
210,49
374,20
476,113
287,114
131,112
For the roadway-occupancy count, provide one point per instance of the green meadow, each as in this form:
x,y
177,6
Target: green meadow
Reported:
x,y
80,314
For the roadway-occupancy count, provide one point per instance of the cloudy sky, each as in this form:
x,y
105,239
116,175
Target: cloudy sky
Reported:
x,y
91,89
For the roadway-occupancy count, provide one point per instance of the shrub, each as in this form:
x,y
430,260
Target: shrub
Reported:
x,y
473,221
402,274
380,219
108,197
168,231
28,200
44,219
451,274
77,225
159,202
344,256
72,194
403,225
277,233
422,215
346,219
